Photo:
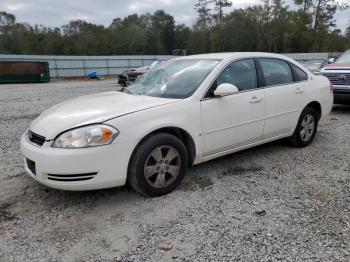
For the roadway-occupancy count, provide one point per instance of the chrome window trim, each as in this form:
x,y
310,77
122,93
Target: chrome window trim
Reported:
x,y
259,88
289,83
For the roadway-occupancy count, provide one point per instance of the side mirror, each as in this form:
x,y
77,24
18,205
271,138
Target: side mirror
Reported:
x,y
225,89
331,60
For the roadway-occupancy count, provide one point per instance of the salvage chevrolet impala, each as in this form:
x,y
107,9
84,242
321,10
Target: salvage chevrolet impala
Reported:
x,y
187,111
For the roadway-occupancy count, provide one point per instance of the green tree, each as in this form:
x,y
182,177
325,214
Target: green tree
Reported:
x,y
271,26
219,8
347,32
164,25
243,30
7,27
203,21
182,35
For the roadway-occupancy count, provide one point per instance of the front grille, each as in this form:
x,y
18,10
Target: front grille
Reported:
x,y
338,78
31,166
71,177
35,138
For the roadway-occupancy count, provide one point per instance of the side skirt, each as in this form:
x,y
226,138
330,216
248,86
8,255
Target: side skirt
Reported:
x,y
236,149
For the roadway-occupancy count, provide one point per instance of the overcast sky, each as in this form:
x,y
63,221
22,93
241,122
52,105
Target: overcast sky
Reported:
x,y
58,12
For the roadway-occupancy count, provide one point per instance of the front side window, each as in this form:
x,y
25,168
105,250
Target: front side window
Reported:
x,y
242,74
174,78
275,71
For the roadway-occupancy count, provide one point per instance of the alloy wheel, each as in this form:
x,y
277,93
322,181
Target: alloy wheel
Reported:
x,y
162,166
307,127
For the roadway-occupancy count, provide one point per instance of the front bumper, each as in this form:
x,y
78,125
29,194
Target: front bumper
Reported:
x,y
77,169
341,94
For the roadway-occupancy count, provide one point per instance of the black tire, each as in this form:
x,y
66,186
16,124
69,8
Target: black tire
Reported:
x,y
297,139
137,165
122,81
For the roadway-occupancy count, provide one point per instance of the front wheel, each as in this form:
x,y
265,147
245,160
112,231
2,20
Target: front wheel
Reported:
x,y
158,165
306,128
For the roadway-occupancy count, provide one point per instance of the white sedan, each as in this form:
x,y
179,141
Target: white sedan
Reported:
x,y
186,111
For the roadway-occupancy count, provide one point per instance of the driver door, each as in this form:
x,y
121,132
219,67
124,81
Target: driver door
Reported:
x,y
237,120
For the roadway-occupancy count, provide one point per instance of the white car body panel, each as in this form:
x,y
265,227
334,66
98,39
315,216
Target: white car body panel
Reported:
x,y
283,108
184,116
234,128
90,109
217,126
111,167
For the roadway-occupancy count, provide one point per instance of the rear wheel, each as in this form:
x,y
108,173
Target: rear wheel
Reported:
x,y
158,165
306,128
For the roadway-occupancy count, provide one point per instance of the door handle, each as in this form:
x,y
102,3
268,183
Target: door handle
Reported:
x,y
255,100
299,91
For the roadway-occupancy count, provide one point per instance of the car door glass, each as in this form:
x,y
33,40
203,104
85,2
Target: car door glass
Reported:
x,y
300,74
241,74
276,71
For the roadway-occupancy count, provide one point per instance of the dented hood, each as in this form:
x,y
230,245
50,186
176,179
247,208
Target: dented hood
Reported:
x,y
91,109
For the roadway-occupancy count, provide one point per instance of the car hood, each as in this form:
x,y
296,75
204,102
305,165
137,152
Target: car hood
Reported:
x,y
91,109
142,68
336,66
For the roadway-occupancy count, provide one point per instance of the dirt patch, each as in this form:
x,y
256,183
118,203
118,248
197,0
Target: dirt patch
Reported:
x,y
196,183
240,170
20,174
4,214
117,218
20,117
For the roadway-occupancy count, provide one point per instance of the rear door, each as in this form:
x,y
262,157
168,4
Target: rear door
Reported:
x,y
284,90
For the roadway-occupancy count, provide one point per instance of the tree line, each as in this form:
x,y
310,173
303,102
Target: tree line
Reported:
x,y
271,26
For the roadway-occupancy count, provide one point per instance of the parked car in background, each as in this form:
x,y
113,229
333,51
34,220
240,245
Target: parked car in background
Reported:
x,y
338,74
186,111
314,65
129,76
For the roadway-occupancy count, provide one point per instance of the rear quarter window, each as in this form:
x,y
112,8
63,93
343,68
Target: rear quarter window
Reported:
x,y
299,74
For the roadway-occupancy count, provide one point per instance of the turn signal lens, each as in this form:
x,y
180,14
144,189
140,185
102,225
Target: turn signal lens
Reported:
x,y
106,134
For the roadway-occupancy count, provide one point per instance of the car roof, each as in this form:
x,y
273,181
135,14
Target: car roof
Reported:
x,y
234,55
237,55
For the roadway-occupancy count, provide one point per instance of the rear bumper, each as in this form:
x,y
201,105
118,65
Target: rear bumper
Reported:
x,y
341,94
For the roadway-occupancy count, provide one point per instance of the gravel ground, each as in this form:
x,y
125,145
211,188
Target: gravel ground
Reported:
x,y
270,203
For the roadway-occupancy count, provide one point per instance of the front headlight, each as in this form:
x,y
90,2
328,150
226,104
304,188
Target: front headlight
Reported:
x,y
87,136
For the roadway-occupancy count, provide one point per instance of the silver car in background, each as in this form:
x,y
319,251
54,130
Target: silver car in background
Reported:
x,y
314,65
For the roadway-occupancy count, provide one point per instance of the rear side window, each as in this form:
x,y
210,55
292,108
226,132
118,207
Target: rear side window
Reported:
x,y
275,71
300,74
